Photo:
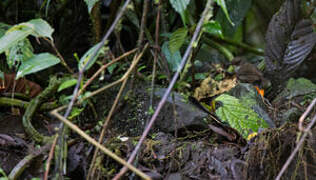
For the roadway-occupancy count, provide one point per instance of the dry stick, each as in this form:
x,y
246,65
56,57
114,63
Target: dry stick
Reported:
x,y
50,157
301,120
164,98
124,78
299,144
98,145
104,67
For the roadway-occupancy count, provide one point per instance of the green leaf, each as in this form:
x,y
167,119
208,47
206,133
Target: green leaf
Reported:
x,y
238,10
239,116
75,112
180,6
36,63
14,36
3,174
85,58
222,4
67,84
35,27
40,28
174,59
90,4
213,28
18,53
112,67
177,39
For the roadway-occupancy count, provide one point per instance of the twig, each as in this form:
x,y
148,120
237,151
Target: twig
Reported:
x,y
301,120
124,78
172,83
104,67
50,157
299,144
98,145
63,62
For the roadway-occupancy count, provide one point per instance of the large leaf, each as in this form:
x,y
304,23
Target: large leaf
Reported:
x,y
174,59
237,10
37,63
177,39
85,58
13,37
289,41
35,27
239,116
90,4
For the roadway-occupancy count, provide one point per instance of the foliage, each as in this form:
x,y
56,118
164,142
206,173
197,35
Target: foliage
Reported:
x,y
239,116
19,50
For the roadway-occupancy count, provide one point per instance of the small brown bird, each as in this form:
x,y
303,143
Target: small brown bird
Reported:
x,y
249,73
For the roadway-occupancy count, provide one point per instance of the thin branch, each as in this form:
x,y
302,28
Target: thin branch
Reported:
x,y
102,68
172,83
63,62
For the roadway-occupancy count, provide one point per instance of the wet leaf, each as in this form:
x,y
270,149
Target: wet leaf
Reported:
x,y
239,116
